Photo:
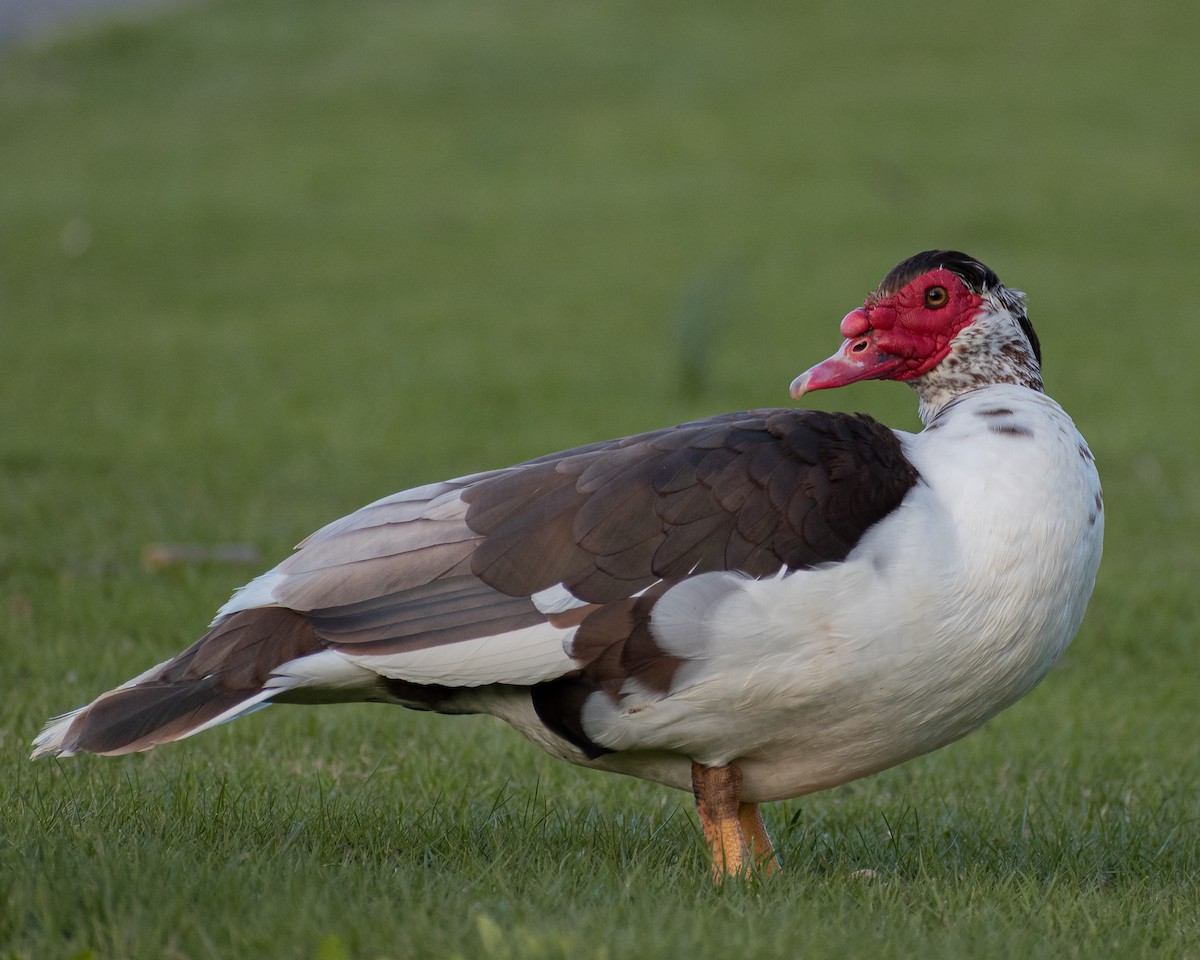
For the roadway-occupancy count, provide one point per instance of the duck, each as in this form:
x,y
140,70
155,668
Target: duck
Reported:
x,y
751,606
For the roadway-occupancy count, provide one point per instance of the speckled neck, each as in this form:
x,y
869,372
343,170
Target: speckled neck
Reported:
x,y
994,349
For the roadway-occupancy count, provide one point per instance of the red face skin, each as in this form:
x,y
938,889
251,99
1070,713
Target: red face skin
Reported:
x,y
899,337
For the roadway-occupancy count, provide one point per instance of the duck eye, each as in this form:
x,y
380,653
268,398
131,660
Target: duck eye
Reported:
x,y
935,297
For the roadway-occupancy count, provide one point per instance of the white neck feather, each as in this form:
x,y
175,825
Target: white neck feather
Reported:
x,y
993,349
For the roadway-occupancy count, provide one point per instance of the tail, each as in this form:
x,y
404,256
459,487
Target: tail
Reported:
x,y
239,665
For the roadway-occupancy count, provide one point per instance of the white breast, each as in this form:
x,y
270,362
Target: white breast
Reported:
x,y
946,612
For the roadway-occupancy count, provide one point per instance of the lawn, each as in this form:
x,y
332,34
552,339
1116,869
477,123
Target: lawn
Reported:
x,y
264,261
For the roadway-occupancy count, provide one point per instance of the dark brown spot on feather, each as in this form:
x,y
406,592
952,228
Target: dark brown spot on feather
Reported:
x,y
995,412
615,644
1011,430
1014,351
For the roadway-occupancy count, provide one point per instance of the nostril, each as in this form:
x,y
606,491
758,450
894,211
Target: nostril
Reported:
x,y
859,346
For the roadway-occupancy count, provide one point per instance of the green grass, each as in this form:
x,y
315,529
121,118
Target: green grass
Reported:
x,y
264,261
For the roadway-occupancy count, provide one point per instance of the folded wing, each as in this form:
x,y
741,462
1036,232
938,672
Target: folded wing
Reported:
x,y
543,575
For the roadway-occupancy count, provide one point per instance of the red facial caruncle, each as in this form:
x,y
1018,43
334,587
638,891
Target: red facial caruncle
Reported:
x,y
897,337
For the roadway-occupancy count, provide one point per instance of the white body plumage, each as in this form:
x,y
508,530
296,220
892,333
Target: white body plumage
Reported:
x,y
947,611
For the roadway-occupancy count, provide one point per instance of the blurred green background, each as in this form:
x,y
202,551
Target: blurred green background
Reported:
x,y
264,261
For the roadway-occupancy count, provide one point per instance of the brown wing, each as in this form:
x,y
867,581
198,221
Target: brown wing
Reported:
x,y
751,492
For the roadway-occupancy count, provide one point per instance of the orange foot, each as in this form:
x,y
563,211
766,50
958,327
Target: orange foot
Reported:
x,y
734,831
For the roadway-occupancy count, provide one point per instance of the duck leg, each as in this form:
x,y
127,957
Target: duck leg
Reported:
x,y
762,851
734,831
716,790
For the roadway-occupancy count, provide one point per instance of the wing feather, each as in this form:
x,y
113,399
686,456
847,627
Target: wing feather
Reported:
x,y
450,563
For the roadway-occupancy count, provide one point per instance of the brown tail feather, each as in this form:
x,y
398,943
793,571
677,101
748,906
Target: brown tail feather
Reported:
x,y
125,721
225,667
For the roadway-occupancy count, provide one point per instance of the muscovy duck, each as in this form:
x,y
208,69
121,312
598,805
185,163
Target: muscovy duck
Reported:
x,y
751,606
